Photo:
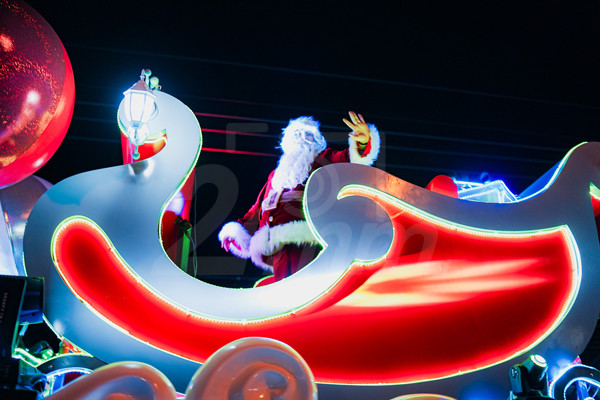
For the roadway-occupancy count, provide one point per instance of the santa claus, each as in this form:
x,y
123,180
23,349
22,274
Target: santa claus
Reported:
x,y
274,233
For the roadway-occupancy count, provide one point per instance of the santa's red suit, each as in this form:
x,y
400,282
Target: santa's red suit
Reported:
x,y
274,233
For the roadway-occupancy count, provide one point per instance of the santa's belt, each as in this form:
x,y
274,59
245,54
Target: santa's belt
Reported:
x,y
291,195
275,197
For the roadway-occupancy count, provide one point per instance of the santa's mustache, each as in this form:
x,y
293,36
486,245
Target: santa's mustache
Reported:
x,y
301,147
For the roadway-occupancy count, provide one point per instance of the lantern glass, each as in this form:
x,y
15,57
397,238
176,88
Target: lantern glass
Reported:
x,y
139,105
139,108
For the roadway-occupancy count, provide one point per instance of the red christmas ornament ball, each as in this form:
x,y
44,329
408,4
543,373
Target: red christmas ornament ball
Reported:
x,y
37,91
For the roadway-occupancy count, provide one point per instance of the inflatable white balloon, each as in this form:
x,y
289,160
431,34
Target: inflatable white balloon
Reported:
x,y
253,368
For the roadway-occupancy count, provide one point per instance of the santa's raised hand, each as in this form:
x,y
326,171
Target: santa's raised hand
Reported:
x,y
360,129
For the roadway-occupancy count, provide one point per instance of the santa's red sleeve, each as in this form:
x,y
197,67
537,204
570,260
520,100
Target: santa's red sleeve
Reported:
x,y
242,230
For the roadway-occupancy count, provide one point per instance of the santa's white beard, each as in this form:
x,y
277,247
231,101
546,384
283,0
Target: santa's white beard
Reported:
x,y
294,167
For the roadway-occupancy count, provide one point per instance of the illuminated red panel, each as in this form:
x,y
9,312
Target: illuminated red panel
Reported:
x,y
113,290
150,148
446,300
595,204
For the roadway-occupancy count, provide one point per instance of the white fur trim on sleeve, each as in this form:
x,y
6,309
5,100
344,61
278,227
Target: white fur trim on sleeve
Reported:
x,y
367,159
295,232
258,247
237,232
268,240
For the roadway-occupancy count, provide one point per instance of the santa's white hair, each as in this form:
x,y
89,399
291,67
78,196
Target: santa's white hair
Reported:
x,y
298,154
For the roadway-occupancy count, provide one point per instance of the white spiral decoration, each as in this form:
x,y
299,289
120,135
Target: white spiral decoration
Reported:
x,y
253,368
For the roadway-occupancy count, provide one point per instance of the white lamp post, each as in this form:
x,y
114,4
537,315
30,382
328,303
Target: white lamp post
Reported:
x,y
140,107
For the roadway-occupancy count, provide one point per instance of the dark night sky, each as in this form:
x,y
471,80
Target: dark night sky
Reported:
x,y
449,82
457,87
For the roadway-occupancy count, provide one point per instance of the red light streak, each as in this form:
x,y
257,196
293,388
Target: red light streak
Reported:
x,y
249,153
224,116
227,132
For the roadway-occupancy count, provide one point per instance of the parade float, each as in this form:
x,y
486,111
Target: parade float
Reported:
x,y
415,295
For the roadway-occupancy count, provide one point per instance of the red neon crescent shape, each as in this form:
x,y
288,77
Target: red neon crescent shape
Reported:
x,y
446,300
